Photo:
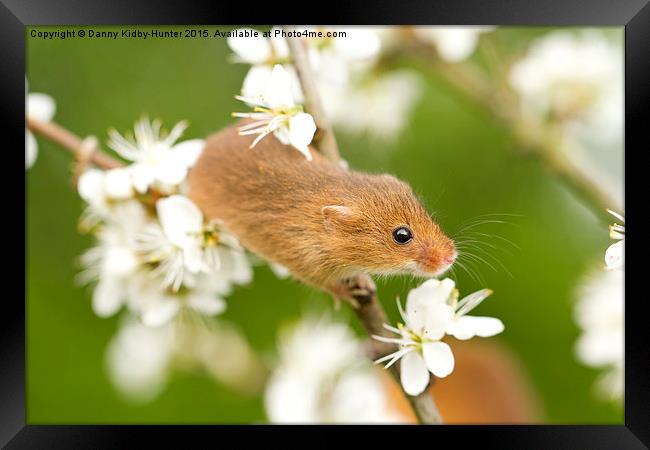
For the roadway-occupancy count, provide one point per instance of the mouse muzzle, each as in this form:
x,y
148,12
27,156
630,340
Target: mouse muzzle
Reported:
x,y
437,259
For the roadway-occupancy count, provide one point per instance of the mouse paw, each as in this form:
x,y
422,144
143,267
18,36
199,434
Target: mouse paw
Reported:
x,y
360,287
354,290
350,290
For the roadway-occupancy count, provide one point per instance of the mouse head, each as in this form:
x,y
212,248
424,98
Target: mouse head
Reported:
x,y
383,229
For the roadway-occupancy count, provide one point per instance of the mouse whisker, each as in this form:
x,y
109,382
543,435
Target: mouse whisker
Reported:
x,y
487,255
473,266
480,259
469,270
487,219
475,241
487,235
489,216
497,261
485,222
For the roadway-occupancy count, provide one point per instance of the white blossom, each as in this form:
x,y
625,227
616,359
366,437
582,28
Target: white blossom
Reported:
x,y
379,106
156,305
353,98
111,263
156,158
335,60
575,80
433,310
258,50
332,58
157,265
109,199
322,378
180,243
141,359
275,112
599,314
569,75
453,43
103,190
183,246
42,108
263,54
138,358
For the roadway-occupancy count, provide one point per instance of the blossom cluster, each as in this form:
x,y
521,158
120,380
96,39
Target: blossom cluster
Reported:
x,y
599,314
433,310
322,376
355,96
155,254
574,82
141,359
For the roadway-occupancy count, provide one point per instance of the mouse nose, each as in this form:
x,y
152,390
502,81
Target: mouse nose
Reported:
x,y
449,260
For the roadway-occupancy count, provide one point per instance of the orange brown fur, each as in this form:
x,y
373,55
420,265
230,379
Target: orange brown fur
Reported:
x,y
272,198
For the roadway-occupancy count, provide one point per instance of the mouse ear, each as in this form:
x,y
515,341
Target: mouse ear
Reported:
x,y
334,215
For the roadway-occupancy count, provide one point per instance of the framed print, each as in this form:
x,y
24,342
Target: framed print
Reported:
x,y
408,214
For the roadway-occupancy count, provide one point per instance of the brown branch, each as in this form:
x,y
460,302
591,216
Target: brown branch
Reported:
x,y
368,308
324,139
73,143
372,316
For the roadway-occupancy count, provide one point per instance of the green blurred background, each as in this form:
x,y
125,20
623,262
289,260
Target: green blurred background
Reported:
x,y
459,159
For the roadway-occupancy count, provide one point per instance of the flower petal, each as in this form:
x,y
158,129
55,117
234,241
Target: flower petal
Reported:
x,y
119,262
278,92
435,319
279,44
301,132
457,45
91,186
255,81
358,44
169,171
438,358
616,215
466,327
142,176
253,49
598,348
117,183
159,313
179,218
207,304
193,257
413,373
431,291
40,107
108,297
472,301
187,152
31,149
614,256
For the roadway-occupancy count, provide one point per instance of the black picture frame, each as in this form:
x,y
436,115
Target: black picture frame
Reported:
x,y
634,15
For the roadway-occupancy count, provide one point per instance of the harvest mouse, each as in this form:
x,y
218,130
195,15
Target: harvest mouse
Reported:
x,y
324,223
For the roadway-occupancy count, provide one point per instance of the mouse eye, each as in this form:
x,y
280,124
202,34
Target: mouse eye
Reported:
x,y
402,235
